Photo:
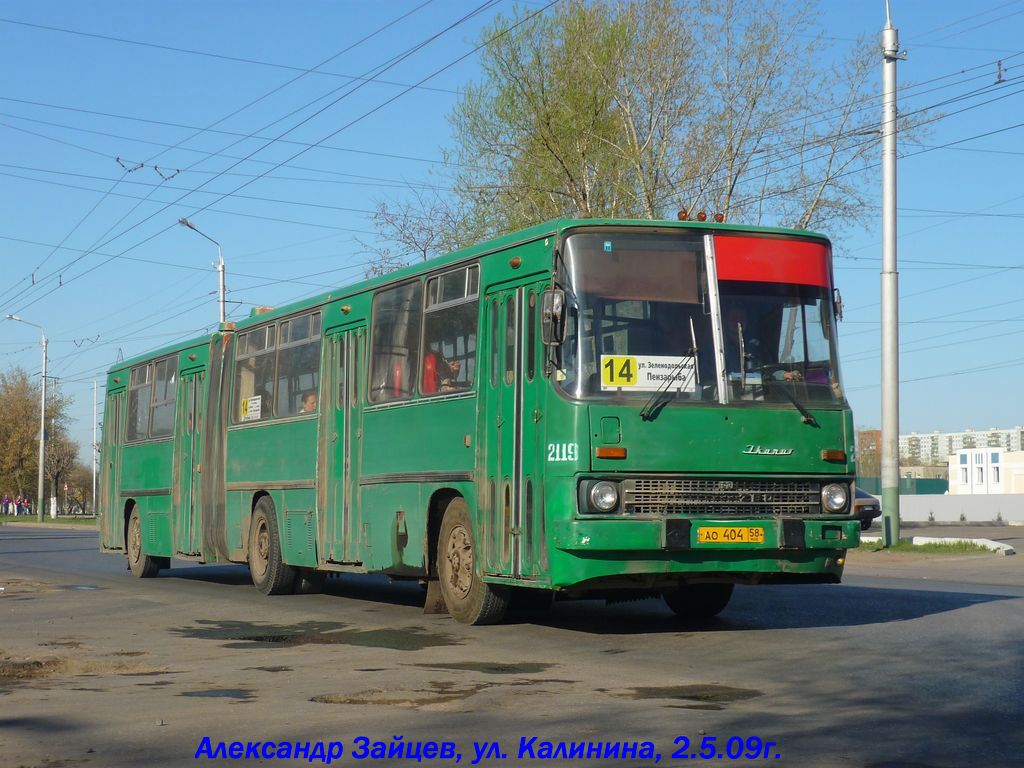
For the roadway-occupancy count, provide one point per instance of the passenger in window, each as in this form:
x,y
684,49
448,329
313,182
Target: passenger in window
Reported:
x,y
441,374
308,402
448,372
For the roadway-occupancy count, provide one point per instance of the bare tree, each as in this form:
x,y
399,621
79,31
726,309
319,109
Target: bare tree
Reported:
x,y
424,225
639,108
61,458
19,429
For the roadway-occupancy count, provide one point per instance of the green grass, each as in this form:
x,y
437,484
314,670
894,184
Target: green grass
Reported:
x,y
74,520
932,549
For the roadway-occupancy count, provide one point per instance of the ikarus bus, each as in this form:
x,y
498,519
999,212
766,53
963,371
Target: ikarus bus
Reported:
x,y
603,408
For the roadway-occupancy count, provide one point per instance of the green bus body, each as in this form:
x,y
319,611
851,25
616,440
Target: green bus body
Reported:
x,y
719,484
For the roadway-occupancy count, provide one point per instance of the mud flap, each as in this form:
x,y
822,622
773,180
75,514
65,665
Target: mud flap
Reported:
x,y
435,600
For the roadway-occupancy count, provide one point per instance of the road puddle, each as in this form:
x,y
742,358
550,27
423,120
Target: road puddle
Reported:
x,y
239,694
707,696
250,635
435,696
491,667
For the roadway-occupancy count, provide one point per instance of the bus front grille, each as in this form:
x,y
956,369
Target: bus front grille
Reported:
x,y
720,496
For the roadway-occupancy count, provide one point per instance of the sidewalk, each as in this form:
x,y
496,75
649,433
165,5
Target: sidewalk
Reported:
x,y
983,568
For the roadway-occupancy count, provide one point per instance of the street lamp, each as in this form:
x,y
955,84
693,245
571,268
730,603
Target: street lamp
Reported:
x,y
219,265
42,419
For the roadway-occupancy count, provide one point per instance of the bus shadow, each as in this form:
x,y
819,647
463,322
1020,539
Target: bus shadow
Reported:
x,y
763,608
366,588
751,608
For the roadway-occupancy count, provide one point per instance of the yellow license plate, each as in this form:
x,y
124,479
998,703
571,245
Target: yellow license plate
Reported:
x,y
730,534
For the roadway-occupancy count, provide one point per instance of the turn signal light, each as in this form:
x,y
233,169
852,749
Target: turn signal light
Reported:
x,y
702,216
833,454
610,452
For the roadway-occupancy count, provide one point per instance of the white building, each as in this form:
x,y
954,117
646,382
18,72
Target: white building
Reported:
x,y
986,471
937,447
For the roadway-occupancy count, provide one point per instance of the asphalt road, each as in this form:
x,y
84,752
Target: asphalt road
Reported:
x,y
913,662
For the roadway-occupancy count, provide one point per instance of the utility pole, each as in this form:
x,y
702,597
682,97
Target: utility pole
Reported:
x,y
42,417
95,445
890,293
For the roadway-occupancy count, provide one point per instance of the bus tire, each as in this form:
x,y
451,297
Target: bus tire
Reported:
x,y
469,599
141,565
699,601
270,574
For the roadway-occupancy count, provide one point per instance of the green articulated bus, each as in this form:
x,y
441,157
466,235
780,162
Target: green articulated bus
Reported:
x,y
585,408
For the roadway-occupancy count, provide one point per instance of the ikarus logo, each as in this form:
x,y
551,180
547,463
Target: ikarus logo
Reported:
x,y
757,450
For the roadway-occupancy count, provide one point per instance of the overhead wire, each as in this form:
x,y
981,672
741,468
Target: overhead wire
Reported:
x,y
212,55
264,96
333,133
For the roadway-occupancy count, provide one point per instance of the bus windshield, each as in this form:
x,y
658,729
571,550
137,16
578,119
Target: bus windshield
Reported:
x,y
638,317
639,320
779,342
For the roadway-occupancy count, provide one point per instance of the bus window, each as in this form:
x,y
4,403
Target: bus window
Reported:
x,y
450,321
531,337
165,388
139,397
494,343
151,395
298,365
510,339
254,375
395,342
357,351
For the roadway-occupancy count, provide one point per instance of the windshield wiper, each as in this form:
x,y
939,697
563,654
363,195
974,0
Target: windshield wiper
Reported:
x,y
657,401
807,416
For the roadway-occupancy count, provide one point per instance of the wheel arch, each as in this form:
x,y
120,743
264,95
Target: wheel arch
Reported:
x,y
129,506
439,501
247,522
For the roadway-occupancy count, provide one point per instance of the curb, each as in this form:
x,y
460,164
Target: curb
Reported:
x,y
52,526
998,547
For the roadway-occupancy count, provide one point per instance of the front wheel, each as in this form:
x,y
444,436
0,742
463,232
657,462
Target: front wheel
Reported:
x,y
699,601
270,574
467,597
141,565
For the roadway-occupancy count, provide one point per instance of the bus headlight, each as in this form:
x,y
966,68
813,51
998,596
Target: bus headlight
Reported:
x,y
834,497
603,496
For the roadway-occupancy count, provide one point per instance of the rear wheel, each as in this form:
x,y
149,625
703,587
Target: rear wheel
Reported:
x,y
142,566
468,598
270,574
699,601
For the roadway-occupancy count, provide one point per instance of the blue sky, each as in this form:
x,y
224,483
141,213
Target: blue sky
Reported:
x,y
80,112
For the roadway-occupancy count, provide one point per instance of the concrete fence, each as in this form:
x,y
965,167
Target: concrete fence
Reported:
x,y
1008,508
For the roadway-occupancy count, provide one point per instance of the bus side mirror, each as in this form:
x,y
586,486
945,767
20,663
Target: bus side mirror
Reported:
x,y
837,303
553,317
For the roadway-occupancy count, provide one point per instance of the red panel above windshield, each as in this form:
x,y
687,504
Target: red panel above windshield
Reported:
x,y
772,260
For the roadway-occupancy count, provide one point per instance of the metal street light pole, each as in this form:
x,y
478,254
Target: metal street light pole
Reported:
x,y
890,293
42,419
220,262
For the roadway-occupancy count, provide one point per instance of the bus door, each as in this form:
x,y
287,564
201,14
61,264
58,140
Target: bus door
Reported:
x,y
112,522
340,432
188,449
509,529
